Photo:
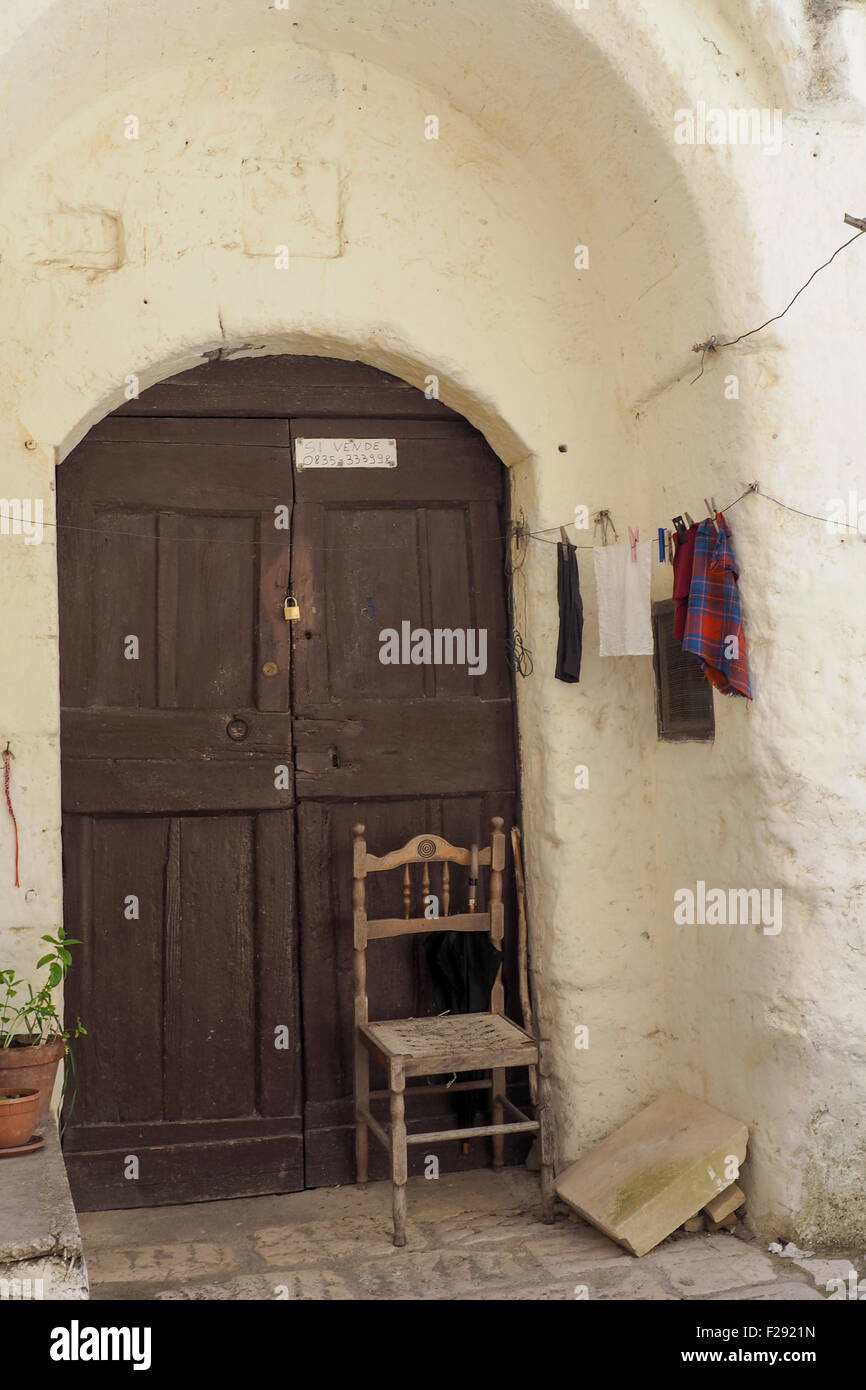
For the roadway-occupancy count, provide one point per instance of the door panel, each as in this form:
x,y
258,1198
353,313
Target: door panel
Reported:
x,y
384,751
400,748
282,387
179,839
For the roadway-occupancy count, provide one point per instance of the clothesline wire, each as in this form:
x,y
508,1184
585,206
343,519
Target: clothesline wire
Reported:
x,y
844,525
712,343
752,488
533,535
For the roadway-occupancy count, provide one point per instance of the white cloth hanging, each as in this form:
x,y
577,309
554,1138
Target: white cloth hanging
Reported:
x,y
623,587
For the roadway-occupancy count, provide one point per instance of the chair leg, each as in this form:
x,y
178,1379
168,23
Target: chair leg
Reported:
x,y
498,1115
362,1097
545,1133
399,1151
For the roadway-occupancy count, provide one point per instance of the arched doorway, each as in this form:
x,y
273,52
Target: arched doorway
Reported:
x,y
215,756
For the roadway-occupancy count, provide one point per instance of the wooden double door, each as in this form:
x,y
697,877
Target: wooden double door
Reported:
x,y
215,757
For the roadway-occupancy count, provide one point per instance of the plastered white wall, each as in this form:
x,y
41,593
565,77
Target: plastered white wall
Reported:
x,y
455,256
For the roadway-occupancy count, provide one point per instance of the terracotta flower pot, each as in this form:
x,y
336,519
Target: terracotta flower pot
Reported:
x,y
32,1067
17,1116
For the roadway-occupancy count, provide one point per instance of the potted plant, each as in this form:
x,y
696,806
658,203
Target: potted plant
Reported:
x,y
32,1036
17,1117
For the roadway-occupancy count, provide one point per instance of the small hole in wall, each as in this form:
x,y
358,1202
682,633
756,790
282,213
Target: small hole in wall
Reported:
x,y
563,448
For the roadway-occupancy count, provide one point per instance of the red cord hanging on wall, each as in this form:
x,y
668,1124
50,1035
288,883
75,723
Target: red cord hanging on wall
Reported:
x,y
8,755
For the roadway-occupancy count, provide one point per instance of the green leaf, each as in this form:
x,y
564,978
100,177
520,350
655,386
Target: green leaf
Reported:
x,y
44,961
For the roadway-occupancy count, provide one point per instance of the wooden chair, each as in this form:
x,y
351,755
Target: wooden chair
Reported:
x,y
449,1043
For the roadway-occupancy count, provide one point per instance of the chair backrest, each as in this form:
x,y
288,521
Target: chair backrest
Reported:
x,y
426,850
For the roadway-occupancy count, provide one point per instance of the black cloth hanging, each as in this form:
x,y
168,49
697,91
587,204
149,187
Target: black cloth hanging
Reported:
x,y
570,646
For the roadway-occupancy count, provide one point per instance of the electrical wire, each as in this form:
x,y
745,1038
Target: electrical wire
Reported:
x,y
712,343
8,755
518,654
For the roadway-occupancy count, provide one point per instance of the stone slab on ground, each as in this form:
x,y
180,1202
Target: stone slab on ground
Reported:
x,y
657,1170
697,1269
40,1242
770,1293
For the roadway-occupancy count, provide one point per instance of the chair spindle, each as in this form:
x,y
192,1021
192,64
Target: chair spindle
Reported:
x,y
407,892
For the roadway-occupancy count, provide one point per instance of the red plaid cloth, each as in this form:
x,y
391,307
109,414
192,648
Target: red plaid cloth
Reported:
x,y
714,625
684,555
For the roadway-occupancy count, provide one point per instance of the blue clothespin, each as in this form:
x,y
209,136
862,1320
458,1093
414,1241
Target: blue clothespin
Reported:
x,y
661,545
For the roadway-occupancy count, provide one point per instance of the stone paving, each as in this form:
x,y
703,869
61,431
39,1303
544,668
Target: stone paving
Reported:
x,y
471,1236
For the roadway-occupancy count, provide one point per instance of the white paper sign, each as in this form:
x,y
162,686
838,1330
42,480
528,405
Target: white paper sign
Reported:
x,y
345,453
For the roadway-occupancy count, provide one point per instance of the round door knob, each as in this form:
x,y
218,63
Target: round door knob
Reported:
x,y
237,729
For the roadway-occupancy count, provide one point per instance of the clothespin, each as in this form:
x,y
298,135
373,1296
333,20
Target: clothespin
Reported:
x,y
688,518
633,538
710,504
661,545
563,535
670,539
679,527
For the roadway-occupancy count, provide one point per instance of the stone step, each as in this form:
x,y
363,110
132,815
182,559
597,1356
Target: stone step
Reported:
x,y
660,1168
40,1242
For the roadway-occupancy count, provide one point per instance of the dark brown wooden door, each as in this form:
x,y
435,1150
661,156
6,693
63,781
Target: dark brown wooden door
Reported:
x,y
238,850
402,748
178,814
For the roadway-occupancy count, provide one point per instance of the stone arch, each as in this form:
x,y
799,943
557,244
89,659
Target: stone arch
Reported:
x,y
412,367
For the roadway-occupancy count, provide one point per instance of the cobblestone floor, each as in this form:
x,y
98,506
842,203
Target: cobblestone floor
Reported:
x,y
471,1236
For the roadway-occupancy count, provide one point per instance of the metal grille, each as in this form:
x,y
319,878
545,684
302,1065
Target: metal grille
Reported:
x,y
684,697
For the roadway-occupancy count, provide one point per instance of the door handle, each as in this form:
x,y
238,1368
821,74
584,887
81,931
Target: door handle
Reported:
x,y
237,729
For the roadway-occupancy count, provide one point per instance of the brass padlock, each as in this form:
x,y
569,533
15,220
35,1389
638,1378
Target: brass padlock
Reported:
x,y
291,611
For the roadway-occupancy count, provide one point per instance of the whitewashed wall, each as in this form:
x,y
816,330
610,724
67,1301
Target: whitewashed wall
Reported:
x,y
455,256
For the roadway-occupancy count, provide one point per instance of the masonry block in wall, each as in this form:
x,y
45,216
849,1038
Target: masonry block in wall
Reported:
x,y
291,204
75,239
